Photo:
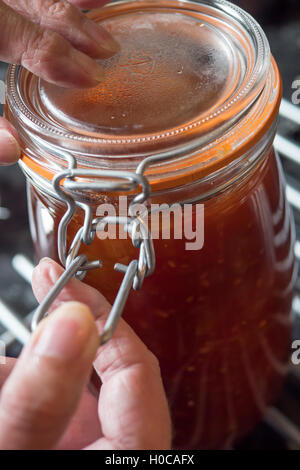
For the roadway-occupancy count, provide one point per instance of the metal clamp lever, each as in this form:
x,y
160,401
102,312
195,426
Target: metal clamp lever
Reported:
x,y
117,308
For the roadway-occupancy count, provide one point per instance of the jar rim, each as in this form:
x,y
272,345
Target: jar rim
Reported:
x,y
191,152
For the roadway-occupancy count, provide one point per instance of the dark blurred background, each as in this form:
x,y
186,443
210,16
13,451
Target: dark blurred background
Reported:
x,y
281,22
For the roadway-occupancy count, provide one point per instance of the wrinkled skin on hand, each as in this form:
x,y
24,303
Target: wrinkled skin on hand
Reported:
x,y
56,41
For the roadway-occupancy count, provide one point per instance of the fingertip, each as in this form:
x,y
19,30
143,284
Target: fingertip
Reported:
x,y
80,313
40,271
47,272
77,310
68,333
84,316
49,268
83,68
10,150
46,259
44,275
6,125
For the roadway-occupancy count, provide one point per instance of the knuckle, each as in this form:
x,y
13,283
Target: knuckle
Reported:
x,y
61,10
41,49
147,366
153,362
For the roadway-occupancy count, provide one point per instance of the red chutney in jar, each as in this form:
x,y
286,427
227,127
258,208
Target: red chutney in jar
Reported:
x,y
217,317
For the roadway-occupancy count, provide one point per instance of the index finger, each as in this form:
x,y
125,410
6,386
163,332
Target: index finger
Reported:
x,y
44,52
69,22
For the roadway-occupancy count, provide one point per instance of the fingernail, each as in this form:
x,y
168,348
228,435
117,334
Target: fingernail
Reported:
x,y
103,39
65,333
97,73
52,269
110,45
10,150
46,259
89,66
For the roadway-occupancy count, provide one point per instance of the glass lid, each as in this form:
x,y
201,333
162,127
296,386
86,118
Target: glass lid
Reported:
x,y
171,70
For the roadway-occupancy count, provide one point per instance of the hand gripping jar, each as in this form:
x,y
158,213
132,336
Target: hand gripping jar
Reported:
x,y
194,92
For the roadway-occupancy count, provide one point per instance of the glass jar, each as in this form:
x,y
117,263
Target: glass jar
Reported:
x,y
195,86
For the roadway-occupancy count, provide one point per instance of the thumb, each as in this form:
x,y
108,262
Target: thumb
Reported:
x,y
10,150
44,389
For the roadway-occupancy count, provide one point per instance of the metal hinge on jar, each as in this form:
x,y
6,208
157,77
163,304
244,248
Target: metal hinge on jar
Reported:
x,y
77,265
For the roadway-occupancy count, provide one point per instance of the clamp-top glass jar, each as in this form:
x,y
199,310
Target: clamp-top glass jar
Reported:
x,y
194,86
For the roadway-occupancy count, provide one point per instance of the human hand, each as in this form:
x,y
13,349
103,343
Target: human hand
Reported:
x,y
45,402
54,40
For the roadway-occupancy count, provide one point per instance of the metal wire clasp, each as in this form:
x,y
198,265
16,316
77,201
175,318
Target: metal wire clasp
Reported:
x,y
77,265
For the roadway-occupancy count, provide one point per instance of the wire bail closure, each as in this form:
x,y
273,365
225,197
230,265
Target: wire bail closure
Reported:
x,y
77,265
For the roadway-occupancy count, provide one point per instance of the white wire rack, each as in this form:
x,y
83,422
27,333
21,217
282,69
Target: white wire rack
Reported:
x,y
18,329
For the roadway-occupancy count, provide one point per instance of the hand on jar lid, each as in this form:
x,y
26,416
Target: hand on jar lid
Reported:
x,y
56,41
